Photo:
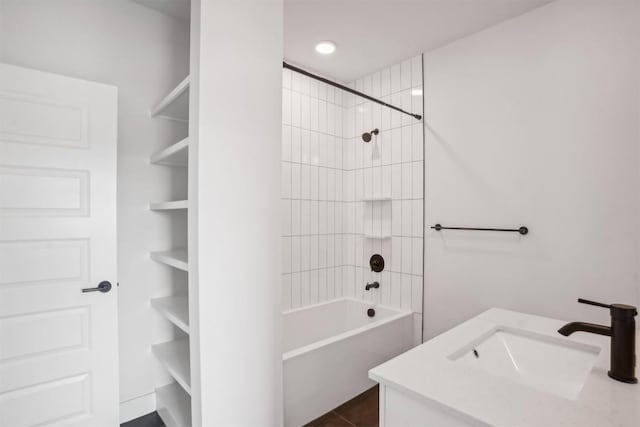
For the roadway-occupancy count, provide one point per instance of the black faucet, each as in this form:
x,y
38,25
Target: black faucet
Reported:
x,y
623,338
374,285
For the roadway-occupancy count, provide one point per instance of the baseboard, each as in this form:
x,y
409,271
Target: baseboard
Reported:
x,y
137,407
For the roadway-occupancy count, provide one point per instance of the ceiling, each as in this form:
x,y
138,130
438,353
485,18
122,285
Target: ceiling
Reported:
x,y
372,34
176,8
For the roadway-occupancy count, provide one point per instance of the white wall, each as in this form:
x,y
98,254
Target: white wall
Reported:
x,y
144,54
234,246
534,122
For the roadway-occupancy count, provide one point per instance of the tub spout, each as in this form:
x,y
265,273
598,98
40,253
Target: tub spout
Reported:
x,y
374,285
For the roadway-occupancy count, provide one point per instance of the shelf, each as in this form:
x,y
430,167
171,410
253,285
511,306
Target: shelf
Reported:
x,y
174,155
174,356
175,309
377,236
176,258
176,104
173,406
167,206
173,401
376,199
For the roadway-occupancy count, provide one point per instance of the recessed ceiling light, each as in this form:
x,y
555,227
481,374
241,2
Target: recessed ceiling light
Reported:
x,y
326,47
416,92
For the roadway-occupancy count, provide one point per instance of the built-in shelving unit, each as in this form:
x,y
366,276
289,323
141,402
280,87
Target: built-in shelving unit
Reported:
x,y
174,155
168,206
175,309
174,406
175,105
176,258
173,400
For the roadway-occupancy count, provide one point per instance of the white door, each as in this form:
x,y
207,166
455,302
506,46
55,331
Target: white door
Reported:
x,y
58,345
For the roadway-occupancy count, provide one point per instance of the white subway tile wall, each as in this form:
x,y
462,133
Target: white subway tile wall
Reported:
x,y
312,181
331,222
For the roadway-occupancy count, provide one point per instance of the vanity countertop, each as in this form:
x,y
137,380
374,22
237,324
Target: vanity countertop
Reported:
x,y
427,373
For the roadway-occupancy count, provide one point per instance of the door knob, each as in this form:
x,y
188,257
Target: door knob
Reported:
x,y
103,287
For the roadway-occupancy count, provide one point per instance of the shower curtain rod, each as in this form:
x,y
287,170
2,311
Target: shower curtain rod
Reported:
x,y
347,89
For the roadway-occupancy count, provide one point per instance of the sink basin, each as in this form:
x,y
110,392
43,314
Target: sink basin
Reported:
x,y
552,365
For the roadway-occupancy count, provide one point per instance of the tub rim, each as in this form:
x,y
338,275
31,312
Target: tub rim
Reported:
x,y
399,313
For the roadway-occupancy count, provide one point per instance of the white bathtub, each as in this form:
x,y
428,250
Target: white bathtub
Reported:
x,y
329,349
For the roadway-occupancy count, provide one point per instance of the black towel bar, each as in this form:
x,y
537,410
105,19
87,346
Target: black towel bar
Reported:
x,y
522,230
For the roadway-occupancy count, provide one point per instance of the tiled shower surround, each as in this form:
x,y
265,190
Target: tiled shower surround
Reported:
x,y
329,228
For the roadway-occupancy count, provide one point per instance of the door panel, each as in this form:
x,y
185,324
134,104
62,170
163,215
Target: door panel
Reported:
x,y
58,345
44,192
57,401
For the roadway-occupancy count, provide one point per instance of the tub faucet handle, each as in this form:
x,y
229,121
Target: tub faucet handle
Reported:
x,y
374,285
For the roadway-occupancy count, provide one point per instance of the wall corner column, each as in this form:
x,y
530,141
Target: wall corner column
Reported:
x,y
234,229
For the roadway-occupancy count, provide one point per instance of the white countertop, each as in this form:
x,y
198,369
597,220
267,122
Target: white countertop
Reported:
x,y
427,373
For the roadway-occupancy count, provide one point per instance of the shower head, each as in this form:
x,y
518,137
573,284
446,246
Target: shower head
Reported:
x,y
366,137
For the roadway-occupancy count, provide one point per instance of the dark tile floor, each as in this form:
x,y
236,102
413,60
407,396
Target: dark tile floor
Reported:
x,y
149,420
361,411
